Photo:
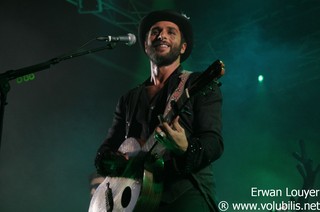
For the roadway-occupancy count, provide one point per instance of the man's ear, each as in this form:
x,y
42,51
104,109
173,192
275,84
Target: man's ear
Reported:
x,y
145,46
183,48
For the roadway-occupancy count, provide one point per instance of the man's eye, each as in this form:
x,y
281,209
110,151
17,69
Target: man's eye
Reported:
x,y
154,32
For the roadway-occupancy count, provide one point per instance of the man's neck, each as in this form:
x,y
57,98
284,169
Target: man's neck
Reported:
x,y
164,72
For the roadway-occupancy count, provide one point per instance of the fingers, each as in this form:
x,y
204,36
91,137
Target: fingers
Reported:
x,y
172,136
161,137
175,127
160,134
160,131
165,130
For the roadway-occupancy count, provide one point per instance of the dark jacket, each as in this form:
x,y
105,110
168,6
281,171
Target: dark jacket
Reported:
x,y
202,122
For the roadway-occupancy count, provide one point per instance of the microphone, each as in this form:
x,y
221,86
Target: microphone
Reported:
x,y
129,39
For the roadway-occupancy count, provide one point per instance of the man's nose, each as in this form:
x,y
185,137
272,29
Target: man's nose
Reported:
x,y
161,35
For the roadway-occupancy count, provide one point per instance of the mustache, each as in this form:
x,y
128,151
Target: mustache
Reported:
x,y
159,42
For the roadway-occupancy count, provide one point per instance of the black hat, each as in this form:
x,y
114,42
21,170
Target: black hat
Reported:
x,y
168,15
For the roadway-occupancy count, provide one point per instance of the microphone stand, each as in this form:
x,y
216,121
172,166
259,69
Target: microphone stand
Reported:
x,y
13,74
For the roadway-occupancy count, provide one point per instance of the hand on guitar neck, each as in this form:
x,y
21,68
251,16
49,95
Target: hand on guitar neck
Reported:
x,y
172,136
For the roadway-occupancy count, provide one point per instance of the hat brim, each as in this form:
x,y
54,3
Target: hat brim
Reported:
x,y
167,15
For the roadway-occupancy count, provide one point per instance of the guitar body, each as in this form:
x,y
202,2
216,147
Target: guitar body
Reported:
x,y
125,193
139,190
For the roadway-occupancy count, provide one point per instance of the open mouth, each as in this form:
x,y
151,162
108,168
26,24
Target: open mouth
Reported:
x,y
161,45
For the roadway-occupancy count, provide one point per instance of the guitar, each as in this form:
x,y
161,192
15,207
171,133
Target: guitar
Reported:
x,y
139,187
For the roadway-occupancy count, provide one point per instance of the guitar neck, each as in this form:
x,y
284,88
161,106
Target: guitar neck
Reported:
x,y
177,107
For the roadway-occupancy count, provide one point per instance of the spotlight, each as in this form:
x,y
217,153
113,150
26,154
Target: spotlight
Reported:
x,y
260,78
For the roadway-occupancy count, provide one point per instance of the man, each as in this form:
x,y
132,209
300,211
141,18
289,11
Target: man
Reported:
x,y
193,140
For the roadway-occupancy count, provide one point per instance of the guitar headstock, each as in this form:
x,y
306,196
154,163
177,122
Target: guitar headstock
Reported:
x,y
210,75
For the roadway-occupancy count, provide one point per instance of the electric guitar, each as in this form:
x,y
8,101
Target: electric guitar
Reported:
x,y
139,186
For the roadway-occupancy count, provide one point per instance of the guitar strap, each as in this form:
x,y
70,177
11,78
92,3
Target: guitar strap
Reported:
x,y
178,91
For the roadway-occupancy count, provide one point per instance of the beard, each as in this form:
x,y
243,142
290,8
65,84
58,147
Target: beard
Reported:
x,y
167,59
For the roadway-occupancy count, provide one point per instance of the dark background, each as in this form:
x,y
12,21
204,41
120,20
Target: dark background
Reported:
x,y
54,124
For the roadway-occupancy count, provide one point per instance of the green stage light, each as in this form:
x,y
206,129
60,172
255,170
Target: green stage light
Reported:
x,y
260,78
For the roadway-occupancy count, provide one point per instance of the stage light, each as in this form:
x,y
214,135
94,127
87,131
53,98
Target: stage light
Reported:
x,y
260,78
